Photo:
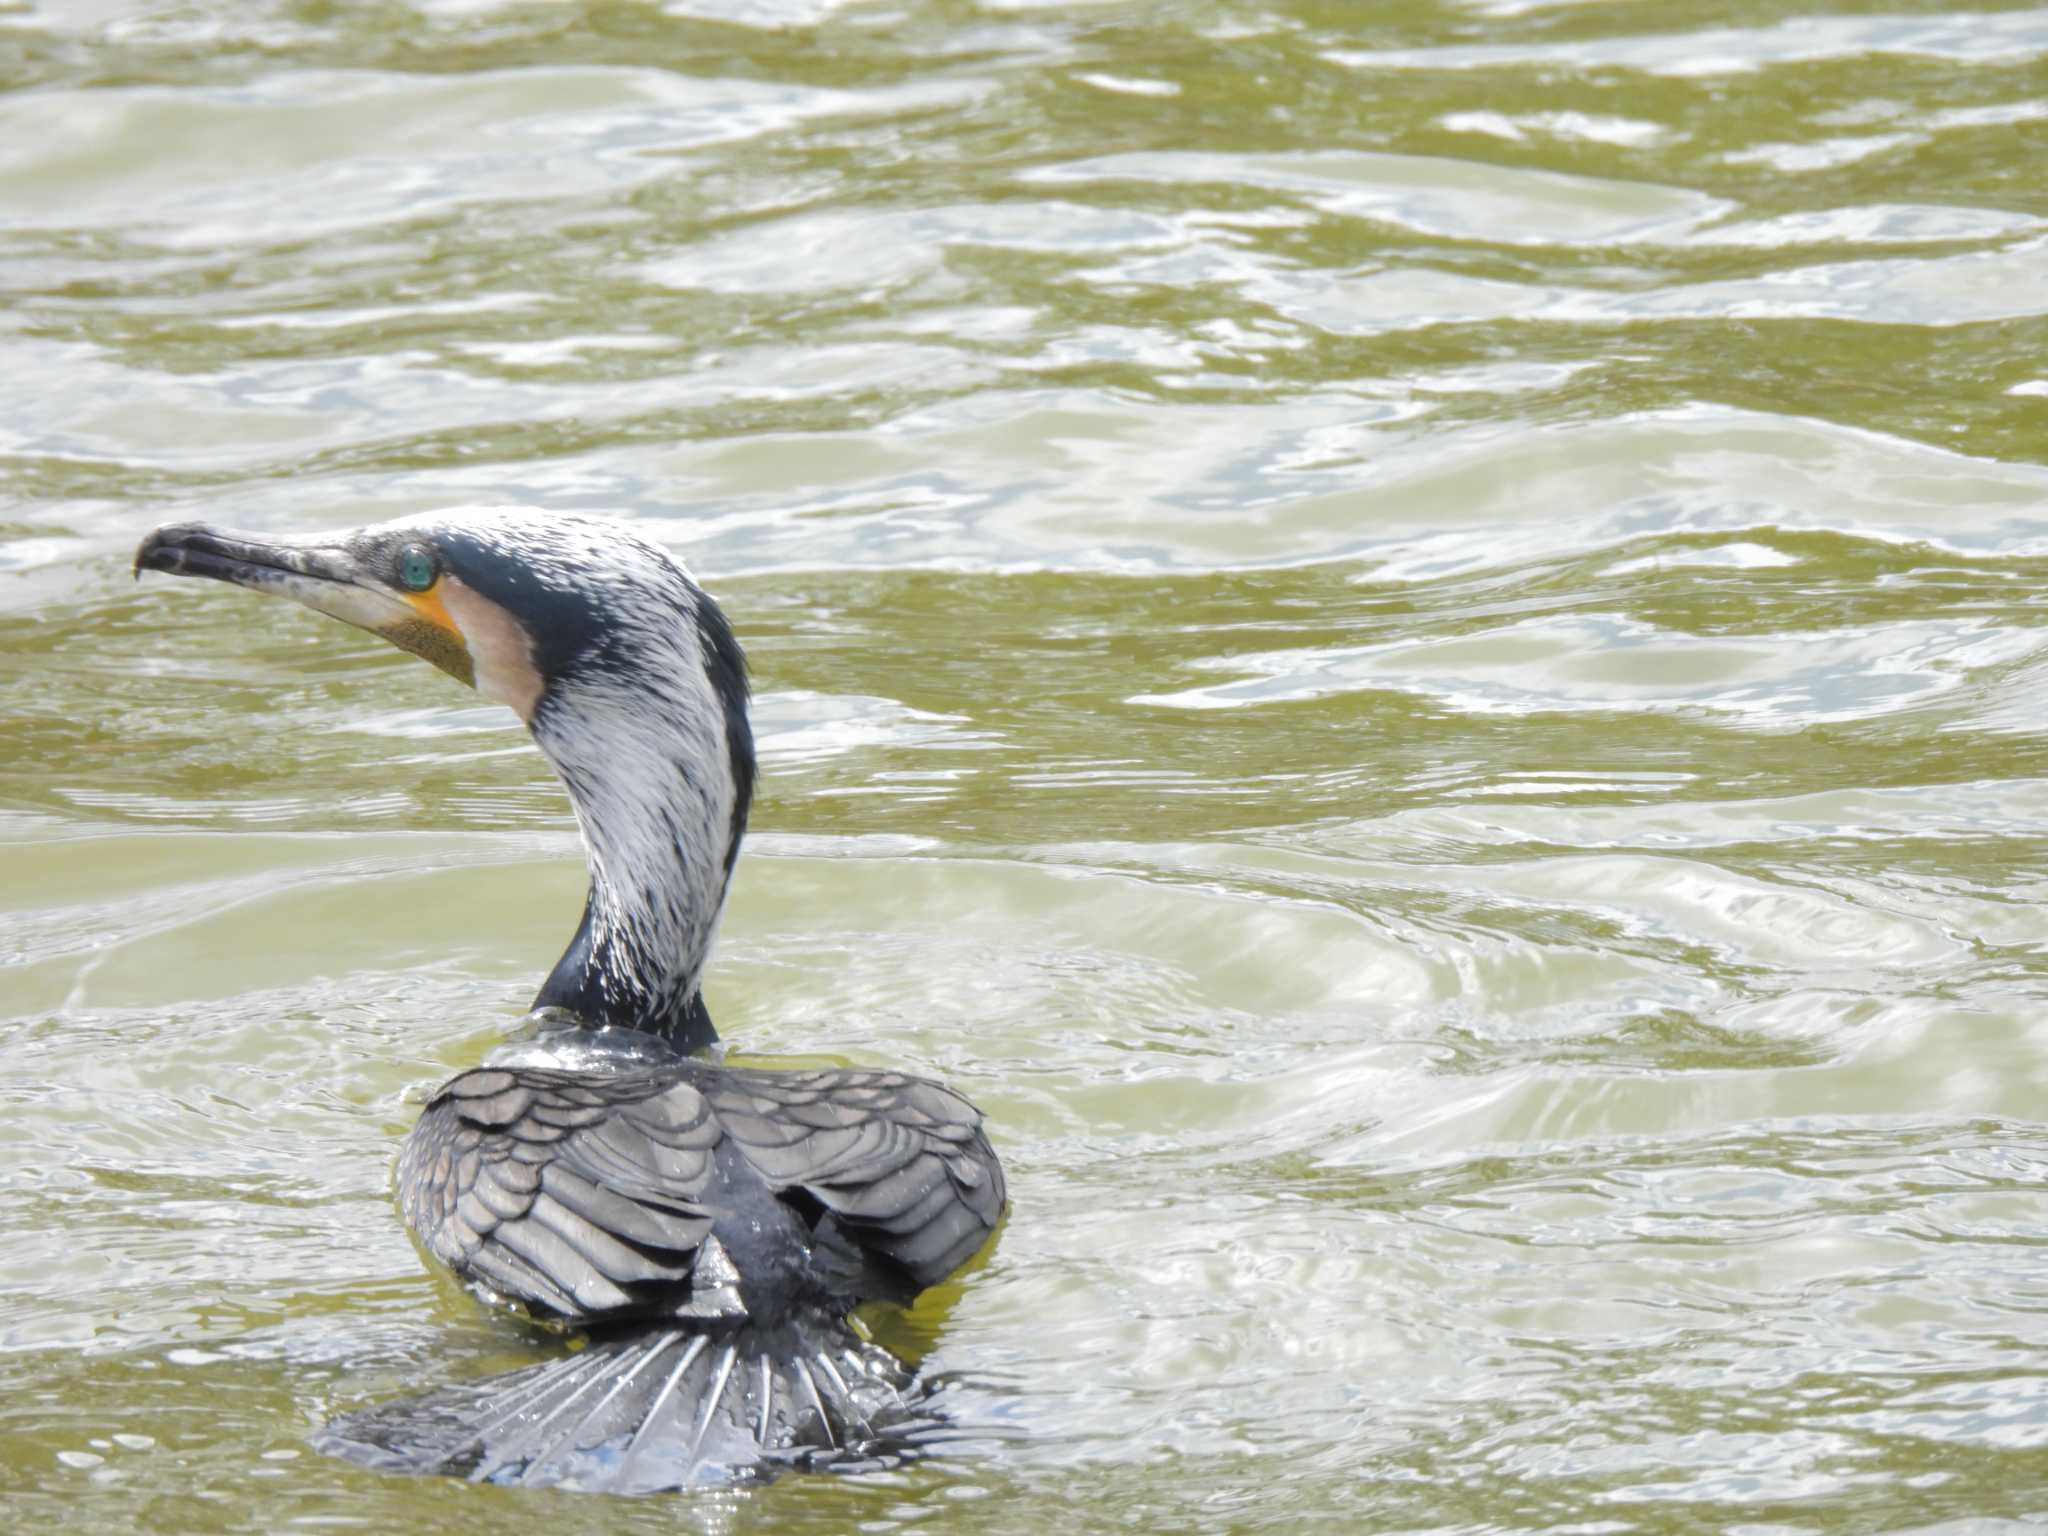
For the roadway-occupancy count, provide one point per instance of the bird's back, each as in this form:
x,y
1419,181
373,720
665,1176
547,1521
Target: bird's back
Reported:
x,y
691,1190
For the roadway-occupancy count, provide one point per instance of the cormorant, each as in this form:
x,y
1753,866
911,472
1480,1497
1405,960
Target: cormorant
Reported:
x,y
708,1227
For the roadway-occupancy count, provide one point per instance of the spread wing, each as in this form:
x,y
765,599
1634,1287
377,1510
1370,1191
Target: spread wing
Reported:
x,y
900,1161
580,1194
590,1195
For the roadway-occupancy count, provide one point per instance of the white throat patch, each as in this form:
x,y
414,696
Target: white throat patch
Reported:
x,y
499,648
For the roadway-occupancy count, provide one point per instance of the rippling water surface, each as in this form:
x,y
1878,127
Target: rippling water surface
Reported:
x,y
1409,637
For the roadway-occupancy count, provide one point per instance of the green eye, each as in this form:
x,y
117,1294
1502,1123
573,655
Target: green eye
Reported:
x,y
416,570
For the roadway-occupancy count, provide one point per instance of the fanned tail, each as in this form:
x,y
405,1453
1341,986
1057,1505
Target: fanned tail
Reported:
x,y
655,1411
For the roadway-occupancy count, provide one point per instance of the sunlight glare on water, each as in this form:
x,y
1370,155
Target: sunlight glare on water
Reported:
x,y
1405,637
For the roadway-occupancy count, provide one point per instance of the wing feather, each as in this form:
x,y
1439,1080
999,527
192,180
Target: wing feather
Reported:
x,y
900,1161
579,1196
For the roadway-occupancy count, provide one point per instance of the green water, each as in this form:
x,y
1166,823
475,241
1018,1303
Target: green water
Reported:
x,y
1411,638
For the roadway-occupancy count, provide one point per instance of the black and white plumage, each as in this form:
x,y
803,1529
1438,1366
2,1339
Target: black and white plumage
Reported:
x,y
708,1227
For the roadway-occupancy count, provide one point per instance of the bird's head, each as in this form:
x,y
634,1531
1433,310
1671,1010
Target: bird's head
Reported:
x,y
513,601
624,669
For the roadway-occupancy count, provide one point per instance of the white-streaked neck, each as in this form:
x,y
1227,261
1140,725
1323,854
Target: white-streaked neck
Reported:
x,y
650,770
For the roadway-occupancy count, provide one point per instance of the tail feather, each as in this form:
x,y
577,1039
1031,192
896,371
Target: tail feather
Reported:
x,y
656,1411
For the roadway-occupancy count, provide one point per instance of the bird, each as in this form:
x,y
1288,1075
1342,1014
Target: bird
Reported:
x,y
704,1230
